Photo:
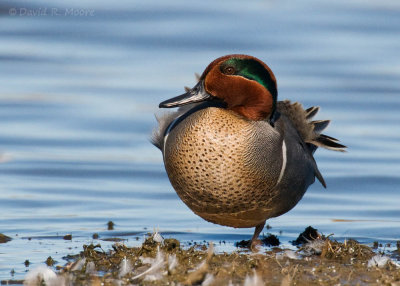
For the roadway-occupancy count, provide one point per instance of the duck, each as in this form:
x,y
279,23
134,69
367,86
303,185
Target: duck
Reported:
x,y
235,155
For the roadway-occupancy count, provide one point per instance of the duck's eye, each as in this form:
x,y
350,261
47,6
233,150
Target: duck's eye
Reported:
x,y
229,70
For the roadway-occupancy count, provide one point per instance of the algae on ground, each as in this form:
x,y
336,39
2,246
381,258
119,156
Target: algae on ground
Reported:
x,y
330,263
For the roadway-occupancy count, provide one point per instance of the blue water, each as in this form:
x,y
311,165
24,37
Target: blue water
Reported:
x,y
78,94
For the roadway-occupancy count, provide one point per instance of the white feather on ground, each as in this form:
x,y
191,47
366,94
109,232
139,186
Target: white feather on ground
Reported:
x,y
172,262
314,246
91,268
155,272
208,280
287,253
79,264
378,261
198,274
157,237
125,267
43,274
254,280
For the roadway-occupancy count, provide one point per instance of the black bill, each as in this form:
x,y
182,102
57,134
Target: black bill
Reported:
x,y
196,94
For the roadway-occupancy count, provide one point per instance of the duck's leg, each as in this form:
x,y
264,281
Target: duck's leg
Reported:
x,y
257,232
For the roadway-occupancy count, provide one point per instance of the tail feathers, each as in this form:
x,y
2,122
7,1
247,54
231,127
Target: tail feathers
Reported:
x,y
311,112
328,143
332,139
320,125
321,140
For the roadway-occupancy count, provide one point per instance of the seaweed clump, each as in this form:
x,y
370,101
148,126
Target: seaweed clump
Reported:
x,y
4,238
307,235
268,240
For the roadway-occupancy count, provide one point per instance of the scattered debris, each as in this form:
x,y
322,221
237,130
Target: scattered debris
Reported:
x,y
4,238
50,261
171,244
307,235
270,240
199,274
67,237
165,262
346,252
243,244
110,225
114,239
314,247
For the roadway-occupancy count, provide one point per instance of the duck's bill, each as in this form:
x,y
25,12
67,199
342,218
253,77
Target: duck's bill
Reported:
x,y
196,94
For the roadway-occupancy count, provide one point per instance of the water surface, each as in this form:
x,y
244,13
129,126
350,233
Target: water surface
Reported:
x,y
78,94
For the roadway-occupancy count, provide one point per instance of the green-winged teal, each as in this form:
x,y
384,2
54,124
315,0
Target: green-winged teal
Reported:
x,y
234,154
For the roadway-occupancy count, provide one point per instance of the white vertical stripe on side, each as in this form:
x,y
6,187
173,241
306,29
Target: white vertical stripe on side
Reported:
x,y
167,133
284,159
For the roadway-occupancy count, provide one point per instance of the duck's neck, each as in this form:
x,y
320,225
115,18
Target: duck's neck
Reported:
x,y
256,107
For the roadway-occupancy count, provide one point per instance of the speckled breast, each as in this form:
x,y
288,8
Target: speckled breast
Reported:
x,y
224,167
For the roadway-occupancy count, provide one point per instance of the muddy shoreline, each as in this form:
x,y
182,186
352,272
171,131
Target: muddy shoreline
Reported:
x,y
318,260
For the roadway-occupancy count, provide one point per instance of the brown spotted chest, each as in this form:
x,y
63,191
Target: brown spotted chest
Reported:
x,y
210,161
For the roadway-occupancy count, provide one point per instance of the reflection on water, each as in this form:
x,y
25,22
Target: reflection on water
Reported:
x,y
78,93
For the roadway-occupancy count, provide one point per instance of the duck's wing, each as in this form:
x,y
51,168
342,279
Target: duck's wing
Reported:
x,y
309,131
